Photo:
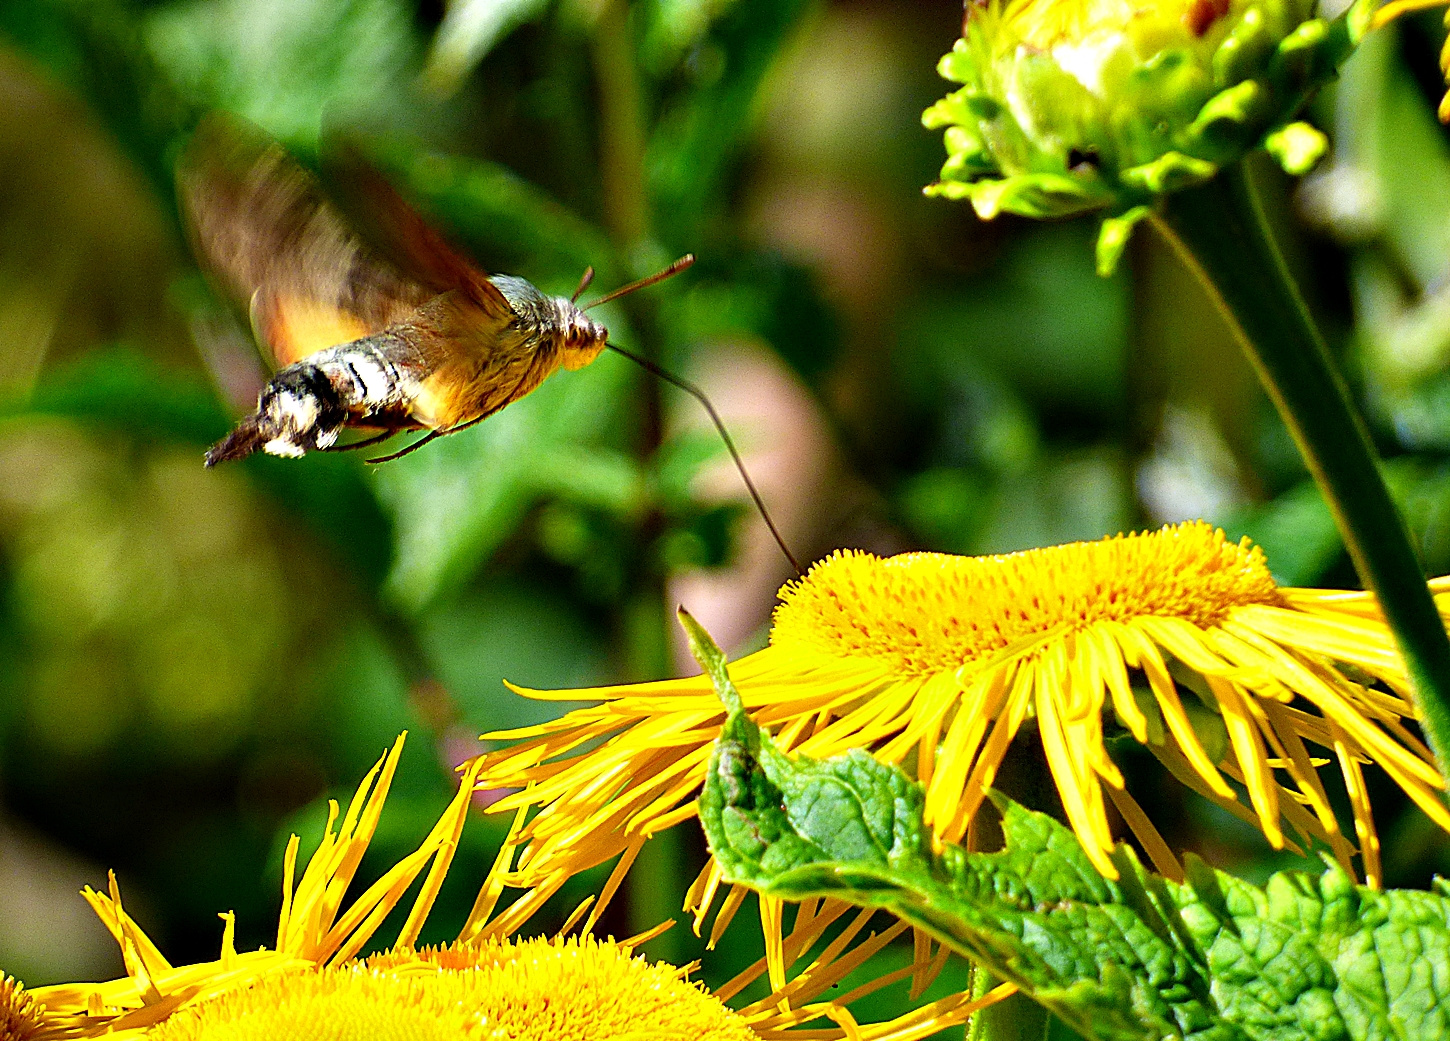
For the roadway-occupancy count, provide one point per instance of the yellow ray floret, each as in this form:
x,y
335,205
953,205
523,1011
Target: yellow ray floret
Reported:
x,y
313,929
489,984
20,1014
936,661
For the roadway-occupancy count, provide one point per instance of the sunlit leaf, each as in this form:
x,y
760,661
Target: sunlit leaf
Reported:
x,y
280,63
125,392
469,30
1304,958
703,127
458,499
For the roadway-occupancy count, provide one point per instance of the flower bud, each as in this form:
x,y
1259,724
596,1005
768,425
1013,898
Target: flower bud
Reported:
x,y
1068,106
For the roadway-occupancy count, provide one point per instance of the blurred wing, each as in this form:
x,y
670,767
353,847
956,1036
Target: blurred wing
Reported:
x,y
263,227
387,222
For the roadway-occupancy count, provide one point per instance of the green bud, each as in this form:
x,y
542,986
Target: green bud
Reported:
x,y
1070,106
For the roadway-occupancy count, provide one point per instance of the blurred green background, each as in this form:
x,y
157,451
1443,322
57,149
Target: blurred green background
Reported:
x,y
194,661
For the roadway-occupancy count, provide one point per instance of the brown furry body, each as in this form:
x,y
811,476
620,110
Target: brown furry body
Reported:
x,y
406,334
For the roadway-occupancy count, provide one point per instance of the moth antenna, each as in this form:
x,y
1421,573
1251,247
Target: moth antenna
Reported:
x,y
658,276
699,395
583,284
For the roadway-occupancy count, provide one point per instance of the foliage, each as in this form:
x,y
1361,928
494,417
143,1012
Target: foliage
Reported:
x,y
1301,957
976,388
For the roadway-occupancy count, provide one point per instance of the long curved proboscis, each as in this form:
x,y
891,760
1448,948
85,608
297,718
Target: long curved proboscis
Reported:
x,y
699,395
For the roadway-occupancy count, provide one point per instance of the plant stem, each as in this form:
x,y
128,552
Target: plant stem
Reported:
x,y
1017,1018
651,894
621,128
1220,232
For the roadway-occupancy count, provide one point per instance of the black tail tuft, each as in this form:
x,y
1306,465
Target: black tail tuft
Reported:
x,y
240,443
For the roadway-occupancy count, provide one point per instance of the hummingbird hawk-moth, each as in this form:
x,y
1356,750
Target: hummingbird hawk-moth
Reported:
x,y
390,330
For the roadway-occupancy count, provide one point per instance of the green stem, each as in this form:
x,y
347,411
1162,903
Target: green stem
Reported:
x,y
1017,1018
652,897
1220,232
621,127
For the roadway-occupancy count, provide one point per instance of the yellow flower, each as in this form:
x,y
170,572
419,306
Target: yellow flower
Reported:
x,y
20,1016
935,661
487,985
1045,24
1072,106
533,990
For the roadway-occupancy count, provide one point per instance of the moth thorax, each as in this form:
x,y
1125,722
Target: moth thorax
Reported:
x,y
581,338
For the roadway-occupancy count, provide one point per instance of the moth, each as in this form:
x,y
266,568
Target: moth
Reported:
x,y
386,329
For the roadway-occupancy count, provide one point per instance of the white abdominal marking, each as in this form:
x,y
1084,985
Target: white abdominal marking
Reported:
x,y
282,447
373,383
300,410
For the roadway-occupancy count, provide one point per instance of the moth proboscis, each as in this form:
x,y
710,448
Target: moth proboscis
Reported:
x,y
389,331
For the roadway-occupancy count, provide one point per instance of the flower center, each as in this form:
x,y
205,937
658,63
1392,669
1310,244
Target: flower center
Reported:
x,y
534,990
923,613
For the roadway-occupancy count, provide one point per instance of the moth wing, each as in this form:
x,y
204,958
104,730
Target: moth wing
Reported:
x,y
293,326
387,221
279,246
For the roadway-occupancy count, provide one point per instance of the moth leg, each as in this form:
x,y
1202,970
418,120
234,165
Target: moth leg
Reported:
x,y
364,443
471,422
429,436
422,440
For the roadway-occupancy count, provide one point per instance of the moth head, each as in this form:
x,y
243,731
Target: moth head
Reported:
x,y
299,411
581,337
584,338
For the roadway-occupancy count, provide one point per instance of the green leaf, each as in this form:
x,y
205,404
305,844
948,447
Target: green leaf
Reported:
x,y
1398,140
469,30
455,503
702,128
734,295
282,62
1305,958
129,394
120,387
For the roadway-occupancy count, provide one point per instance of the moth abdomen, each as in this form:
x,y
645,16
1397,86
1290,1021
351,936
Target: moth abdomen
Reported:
x,y
306,405
368,374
